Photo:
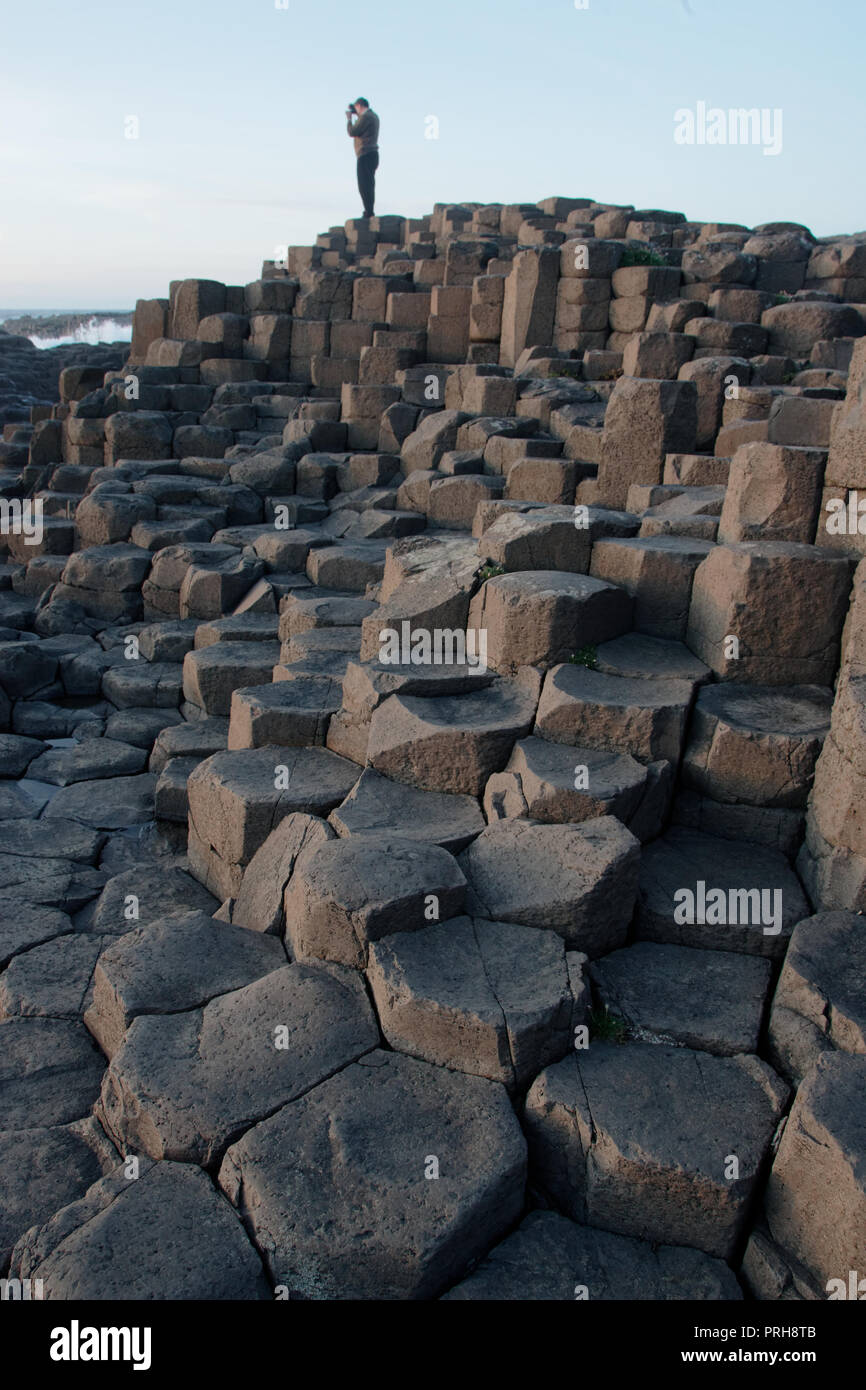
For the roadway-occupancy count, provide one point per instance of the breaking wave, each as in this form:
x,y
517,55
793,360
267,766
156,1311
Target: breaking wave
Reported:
x,y
95,330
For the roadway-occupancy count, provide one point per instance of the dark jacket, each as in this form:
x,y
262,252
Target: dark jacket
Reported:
x,y
365,133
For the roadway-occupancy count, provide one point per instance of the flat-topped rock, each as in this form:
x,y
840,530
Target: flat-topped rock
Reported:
x,y
97,758
577,880
310,609
110,804
622,714
351,565
346,893
322,641
197,739
43,1169
549,1257
697,890
144,893
712,1000
819,1001
177,962
50,1072
489,998
237,798
783,602
553,782
376,805
291,714
54,980
657,571
211,674
17,752
239,627
259,903
27,839
118,1236
183,1085
816,1193
24,926
139,685
638,1139
141,726
541,617
381,1129
452,744
756,744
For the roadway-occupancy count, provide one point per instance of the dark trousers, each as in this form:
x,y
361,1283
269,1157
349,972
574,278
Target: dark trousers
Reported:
x,y
367,166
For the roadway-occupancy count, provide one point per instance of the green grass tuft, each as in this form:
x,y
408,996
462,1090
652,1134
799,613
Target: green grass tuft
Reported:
x,y
606,1027
585,656
637,255
490,572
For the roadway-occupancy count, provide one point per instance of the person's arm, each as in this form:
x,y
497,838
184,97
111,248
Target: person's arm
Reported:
x,y
361,126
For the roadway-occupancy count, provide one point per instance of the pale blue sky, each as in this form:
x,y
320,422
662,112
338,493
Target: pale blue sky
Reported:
x,y
242,143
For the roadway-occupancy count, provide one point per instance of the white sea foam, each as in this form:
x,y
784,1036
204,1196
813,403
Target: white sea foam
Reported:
x,y
96,330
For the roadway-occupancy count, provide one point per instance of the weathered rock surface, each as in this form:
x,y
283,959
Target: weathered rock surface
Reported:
x,y
381,1129
184,1085
175,963
164,1235
550,1258
639,1139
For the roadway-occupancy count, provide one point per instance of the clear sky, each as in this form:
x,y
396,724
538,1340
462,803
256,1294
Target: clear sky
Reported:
x,y
241,138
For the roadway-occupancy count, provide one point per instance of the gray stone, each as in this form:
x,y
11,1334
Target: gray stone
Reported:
x,y
550,1258
198,739
166,1235
489,998
819,1001
816,1193
183,1086
140,895
50,1071
638,1138
577,880
16,753
452,744
645,718
97,758
259,904
24,926
756,745
346,893
109,804
177,962
752,896
545,782
376,805
237,798
212,673
53,980
43,1169
375,1129
712,1000
541,617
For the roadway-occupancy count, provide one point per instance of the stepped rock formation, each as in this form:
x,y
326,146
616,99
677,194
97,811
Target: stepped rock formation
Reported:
x,y
433,748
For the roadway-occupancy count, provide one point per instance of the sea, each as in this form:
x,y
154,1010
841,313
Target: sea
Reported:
x,y
64,326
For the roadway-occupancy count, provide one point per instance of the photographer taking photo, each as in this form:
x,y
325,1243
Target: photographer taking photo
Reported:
x,y
365,132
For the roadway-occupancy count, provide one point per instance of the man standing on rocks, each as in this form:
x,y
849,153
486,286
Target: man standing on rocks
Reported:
x,y
365,133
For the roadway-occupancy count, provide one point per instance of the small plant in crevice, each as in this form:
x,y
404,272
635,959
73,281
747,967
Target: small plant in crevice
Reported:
x,y
639,255
490,572
606,1027
585,656
572,375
